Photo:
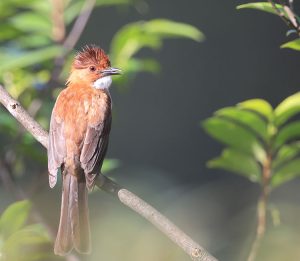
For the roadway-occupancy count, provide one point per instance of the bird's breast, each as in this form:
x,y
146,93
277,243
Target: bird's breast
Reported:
x,y
80,108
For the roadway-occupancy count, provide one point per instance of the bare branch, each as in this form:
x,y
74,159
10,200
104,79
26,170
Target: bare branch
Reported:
x,y
79,24
193,249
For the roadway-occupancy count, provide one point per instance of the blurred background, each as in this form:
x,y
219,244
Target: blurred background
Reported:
x,y
157,138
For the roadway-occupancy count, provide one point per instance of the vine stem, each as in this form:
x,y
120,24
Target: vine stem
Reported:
x,y
129,199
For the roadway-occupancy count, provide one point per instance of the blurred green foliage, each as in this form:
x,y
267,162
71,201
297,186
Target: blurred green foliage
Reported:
x,y
254,133
30,44
33,36
20,241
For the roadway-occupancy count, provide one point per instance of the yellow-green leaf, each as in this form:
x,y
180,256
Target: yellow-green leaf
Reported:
x,y
235,136
286,109
237,162
262,6
14,218
286,173
287,133
251,120
258,105
295,45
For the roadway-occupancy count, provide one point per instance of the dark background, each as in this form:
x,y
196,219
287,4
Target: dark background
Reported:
x,y
156,130
157,120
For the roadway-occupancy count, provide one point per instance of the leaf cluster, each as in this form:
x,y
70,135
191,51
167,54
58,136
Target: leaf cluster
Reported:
x,y
254,133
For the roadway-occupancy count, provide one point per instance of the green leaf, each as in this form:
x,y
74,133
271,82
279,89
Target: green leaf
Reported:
x,y
260,106
7,32
14,218
286,173
295,45
239,163
29,58
168,29
135,36
28,244
32,22
286,109
235,136
33,41
285,154
251,120
262,6
129,40
287,133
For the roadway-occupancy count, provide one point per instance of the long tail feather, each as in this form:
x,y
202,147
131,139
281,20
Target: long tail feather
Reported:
x,y
74,228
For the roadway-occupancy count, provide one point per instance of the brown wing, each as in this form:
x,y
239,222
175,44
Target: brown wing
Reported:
x,y
94,149
56,148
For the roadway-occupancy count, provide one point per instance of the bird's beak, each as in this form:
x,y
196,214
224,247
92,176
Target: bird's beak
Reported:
x,y
111,71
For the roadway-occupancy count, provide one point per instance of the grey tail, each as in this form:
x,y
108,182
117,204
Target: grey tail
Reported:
x,y
74,227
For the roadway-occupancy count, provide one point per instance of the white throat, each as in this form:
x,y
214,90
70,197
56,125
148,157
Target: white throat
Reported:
x,y
102,83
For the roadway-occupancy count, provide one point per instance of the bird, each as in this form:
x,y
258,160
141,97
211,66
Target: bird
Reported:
x,y
78,140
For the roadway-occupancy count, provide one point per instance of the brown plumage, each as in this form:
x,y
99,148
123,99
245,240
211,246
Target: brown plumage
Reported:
x,y
78,141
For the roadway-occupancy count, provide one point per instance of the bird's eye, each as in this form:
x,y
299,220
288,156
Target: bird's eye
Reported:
x,y
92,68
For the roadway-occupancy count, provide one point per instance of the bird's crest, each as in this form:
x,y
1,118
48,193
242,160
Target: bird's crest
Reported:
x,y
90,55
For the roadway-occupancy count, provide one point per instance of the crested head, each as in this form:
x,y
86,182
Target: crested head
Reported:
x,y
91,67
91,55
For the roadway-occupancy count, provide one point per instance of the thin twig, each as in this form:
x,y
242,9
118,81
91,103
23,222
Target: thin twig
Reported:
x,y
73,36
79,24
288,17
193,249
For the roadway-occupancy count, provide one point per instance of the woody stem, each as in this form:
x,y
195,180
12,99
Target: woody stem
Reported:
x,y
262,209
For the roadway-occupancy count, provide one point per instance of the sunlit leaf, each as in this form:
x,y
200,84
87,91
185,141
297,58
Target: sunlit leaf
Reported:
x,y
248,118
129,40
239,163
295,45
135,36
235,136
287,133
286,109
262,6
14,218
260,106
167,28
286,173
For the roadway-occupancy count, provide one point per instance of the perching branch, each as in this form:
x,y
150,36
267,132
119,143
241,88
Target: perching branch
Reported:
x,y
193,249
